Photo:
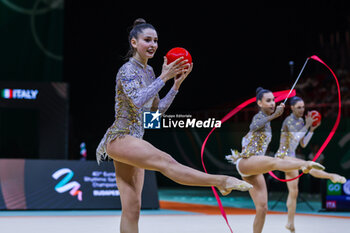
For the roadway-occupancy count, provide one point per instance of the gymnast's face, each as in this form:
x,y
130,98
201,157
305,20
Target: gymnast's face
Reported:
x,y
145,44
298,109
267,103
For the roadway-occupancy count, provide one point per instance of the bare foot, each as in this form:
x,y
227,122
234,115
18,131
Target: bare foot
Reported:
x,y
290,227
312,165
232,183
335,178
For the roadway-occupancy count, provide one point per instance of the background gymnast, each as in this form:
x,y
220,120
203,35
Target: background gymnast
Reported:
x,y
294,132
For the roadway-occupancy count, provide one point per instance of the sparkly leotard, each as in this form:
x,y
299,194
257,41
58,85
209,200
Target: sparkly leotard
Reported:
x,y
293,130
136,91
257,139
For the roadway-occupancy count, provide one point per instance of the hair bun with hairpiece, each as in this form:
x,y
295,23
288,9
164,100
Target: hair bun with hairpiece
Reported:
x,y
259,89
294,100
139,21
260,93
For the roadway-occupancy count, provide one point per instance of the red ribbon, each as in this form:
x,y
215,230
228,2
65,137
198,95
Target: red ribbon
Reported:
x,y
279,96
331,134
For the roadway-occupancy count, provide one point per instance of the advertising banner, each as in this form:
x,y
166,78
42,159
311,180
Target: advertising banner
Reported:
x,y
337,196
63,184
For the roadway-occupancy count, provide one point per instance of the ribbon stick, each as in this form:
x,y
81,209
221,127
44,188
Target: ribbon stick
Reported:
x,y
296,81
279,96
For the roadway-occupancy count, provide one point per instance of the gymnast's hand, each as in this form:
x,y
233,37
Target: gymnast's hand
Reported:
x,y
279,110
180,78
312,128
173,69
308,119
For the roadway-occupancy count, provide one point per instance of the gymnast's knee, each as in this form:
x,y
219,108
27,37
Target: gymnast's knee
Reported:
x,y
167,162
261,209
293,193
132,212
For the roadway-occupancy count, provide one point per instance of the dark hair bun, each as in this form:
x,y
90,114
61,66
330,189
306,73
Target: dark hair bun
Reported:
x,y
259,89
294,100
139,21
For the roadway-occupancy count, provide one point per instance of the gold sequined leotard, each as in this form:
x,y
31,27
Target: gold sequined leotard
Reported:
x,y
293,130
136,91
257,139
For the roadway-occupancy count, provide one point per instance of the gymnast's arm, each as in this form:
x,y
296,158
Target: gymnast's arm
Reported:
x,y
164,103
305,139
132,87
260,120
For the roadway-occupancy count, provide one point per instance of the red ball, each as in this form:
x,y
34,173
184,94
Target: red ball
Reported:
x,y
317,117
178,52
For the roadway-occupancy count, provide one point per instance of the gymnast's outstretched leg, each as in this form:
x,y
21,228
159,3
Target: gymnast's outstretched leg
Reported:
x,y
139,153
255,165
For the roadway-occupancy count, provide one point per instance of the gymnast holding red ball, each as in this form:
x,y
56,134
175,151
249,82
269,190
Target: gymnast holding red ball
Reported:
x,y
295,131
137,90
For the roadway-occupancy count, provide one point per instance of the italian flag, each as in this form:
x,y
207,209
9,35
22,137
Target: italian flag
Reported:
x,y
7,93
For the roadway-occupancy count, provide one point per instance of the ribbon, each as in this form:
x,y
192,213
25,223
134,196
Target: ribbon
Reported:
x,y
336,124
279,96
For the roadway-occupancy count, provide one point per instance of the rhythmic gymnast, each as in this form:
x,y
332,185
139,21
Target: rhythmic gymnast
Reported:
x,y
294,132
137,91
252,163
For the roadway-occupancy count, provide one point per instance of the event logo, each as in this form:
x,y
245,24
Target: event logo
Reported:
x,y
19,94
151,120
333,189
64,186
